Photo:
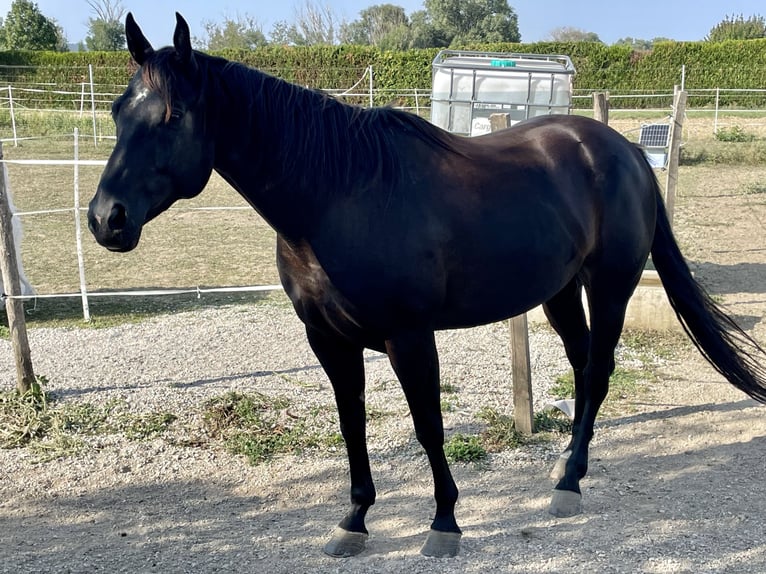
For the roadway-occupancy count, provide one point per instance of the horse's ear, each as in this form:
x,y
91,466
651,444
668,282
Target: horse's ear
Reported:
x,y
182,39
138,46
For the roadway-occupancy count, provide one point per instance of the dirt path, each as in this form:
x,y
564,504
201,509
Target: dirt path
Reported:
x,y
675,485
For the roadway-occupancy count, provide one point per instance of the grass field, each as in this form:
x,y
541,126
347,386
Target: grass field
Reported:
x,y
189,248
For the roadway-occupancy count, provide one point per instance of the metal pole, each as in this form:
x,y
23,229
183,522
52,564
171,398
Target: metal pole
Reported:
x,y
82,98
13,117
371,99
92,102
715,117
78,228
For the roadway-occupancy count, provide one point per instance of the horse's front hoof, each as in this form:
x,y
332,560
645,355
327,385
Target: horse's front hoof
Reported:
x,y
440,544
565,503
344,543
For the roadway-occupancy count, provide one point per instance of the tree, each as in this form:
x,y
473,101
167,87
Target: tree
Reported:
x,y
570,34
640,44
26,28
106,31
423,33
462,21
737,28
242,33
314,24
635,43
376,26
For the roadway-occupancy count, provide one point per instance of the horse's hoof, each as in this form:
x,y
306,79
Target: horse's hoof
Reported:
x,y
344,543
559,469
565,503
440,544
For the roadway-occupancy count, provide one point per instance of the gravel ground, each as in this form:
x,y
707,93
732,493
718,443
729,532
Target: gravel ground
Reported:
x,y
675,481
673,487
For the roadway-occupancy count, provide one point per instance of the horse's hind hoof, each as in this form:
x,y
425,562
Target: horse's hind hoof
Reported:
x,y
344,543
565,503
440,544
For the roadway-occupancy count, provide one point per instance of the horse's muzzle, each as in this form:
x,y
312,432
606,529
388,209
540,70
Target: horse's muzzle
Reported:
x,y
111,227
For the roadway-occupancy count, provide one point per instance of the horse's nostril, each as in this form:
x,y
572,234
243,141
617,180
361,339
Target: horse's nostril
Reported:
x,y
117,217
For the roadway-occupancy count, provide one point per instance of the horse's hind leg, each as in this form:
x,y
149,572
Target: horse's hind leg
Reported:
x,y
566,315
414,358
344,365
608,301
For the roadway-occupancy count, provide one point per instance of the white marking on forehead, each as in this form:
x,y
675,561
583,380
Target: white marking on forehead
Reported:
x,y
140,97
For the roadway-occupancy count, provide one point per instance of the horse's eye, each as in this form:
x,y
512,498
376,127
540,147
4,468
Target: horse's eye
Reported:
x,y
175,116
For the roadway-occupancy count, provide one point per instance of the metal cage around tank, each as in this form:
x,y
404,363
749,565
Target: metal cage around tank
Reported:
x,y
468,87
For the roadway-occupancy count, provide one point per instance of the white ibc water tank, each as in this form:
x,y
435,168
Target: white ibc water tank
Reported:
x,y
470,86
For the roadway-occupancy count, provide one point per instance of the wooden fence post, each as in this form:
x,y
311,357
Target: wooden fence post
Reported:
x,y
14,308
674,153
523,415
601,107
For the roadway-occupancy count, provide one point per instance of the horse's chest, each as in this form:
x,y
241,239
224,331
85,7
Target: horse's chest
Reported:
x,y
316,299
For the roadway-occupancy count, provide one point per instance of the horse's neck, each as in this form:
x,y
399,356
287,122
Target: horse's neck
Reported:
x,y
255,154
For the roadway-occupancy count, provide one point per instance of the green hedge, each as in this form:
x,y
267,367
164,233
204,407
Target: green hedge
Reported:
x,y
731,64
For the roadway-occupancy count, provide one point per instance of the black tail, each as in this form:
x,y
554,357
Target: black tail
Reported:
x,y
733,353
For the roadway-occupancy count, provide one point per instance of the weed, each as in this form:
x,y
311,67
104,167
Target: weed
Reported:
x,y
564,387
447,388
24,417
552,421
755,188
464,448
649,345
53,431
144,425
448,404
375,413
260,427
734,134
501,430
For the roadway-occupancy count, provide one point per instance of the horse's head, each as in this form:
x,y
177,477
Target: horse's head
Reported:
x,y
163,152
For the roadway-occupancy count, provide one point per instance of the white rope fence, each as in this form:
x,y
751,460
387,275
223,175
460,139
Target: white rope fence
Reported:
x,y
76,209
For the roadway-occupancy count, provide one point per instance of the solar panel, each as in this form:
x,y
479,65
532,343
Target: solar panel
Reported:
x,y
654,135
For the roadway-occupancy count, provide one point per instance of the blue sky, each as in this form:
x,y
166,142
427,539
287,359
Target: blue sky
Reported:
x,y
611,20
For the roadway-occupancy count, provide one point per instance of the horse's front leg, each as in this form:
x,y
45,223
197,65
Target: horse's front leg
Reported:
x,y
415,361
344,365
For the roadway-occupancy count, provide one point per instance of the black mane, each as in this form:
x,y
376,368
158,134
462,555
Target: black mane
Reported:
x,y
311,128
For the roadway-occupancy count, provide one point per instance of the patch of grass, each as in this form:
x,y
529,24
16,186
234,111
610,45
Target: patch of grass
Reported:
x,y
260,427
501,430
448,404
143,426
724,154
376,414
734,134
553,421
648,345
111,311
625,383
447,388
24,417
464,448
756,188
52,431
85,418
563,387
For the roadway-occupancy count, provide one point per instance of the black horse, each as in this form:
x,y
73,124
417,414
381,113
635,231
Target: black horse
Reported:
x,y
389,228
